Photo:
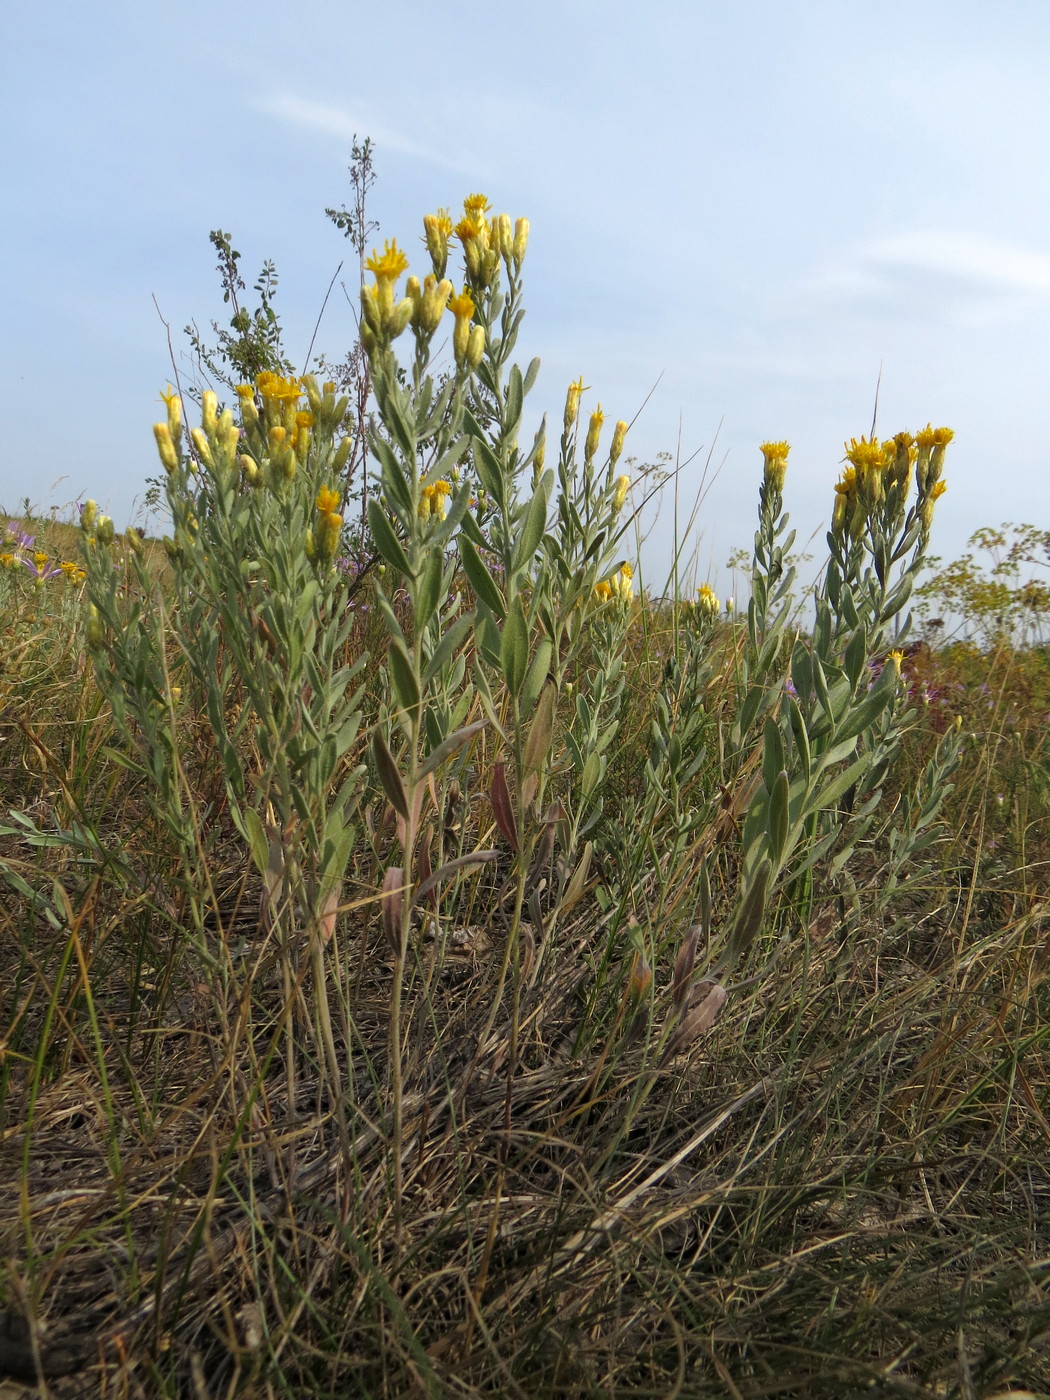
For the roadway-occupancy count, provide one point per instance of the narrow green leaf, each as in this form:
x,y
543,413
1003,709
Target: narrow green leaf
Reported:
x,y
533,529
778,816
406,684
444,751
482,582
386,541
541,731
539,669
389,776
451,639
513,403
514,647
428,589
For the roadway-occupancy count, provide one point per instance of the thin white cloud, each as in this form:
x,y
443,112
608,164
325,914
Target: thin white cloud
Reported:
x,y
982,262
957,278
336,121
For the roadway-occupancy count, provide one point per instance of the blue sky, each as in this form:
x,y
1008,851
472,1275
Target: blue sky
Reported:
x,y
758,204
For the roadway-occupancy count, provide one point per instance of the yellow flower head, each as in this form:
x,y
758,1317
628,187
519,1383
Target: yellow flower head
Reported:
x,y
475,206
245,391
847,484
934,437
438,223
472,229
897,657
327,500
774,469
866,453
7,559
389,266
462,307
276,389
938,490
173,403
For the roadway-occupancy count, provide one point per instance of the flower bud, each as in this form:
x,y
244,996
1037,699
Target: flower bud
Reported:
x,y
174,406
228,434
201,447
134,540
373,316
572,403
539,452
437,228
248,407
434,301
619,433
209,411
342,453
475,347
521,238
94,628
399,318
503,238
166,446
88,516
328,543
594,431
104,530
623,484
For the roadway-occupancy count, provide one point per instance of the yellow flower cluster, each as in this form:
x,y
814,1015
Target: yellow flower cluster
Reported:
x,y
484,241
275,388
707,601
618,588
878,474
432,502
468,340
384,316
428,303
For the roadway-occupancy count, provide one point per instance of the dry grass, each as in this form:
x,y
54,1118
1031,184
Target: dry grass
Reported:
x,y
841,1189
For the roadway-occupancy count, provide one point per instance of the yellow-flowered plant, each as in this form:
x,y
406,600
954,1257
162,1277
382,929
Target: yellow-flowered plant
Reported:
x,y
258,616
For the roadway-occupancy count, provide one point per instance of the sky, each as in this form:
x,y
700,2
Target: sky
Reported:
x,y
745,215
